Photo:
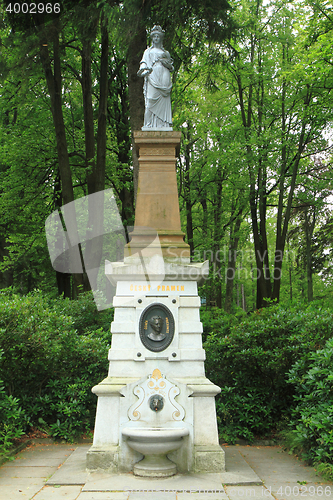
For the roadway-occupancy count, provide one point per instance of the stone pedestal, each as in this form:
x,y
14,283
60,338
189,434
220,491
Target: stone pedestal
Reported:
x,y
182,362
157,208
149,279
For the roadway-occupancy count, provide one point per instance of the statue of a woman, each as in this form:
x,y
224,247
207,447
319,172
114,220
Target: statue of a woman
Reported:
x,y
155,67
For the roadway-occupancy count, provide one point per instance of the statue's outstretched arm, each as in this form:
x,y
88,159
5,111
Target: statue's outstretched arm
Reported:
x,y
143,69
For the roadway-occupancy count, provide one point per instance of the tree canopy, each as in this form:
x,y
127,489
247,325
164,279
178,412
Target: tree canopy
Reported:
x,y
252,95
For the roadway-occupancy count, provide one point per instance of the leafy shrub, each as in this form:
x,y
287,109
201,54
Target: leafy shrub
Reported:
x,y
215,321
69,405
242,415
12,419
312,379
85,316
48,365
250,361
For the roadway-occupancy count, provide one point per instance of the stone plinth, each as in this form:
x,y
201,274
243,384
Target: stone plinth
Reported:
x,y
182,362
157,207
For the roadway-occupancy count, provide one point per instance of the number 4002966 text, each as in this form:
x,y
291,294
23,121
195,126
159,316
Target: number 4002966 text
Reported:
x,y
33,8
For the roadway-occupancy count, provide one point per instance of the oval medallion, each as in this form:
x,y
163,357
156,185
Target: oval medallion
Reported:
x,y
156,327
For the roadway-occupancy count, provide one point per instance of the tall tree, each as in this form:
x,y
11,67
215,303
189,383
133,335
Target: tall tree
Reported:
x,y
280,123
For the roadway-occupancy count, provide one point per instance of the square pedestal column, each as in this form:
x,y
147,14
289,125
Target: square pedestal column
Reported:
x,y
157,207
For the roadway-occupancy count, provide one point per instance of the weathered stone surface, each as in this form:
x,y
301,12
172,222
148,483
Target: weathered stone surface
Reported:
x,y
209,459
103,459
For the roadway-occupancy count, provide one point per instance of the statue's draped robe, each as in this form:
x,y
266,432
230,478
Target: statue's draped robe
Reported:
x,y
157,88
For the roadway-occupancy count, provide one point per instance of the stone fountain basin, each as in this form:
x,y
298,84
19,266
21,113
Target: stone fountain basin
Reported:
x,y
155,440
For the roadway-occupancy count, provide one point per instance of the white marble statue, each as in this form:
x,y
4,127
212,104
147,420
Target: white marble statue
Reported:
x,y
155,67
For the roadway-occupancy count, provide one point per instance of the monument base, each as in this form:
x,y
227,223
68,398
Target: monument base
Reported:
x,y
157,208
190,458
123,397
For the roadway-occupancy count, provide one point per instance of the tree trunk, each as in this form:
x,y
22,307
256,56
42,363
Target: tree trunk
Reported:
x,y
203,202
136,47
95,170
53,80
102,109
64,282
218,232
256,200
290,263
282,228
88,115
232,257
243,298
54,84
309,276
308,230
261,252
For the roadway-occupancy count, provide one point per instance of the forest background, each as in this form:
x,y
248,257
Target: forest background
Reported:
x,y
252,96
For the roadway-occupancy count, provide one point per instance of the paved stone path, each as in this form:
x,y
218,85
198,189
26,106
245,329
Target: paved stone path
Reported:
x,y
57,472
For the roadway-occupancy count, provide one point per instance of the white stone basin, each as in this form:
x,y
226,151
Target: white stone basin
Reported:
x,y
154,443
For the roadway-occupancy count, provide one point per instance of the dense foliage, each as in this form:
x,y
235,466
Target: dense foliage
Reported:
x,y
12,418
250,357
312,418
53,352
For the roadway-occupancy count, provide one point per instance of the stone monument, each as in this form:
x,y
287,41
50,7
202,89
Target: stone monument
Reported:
x,y
156,408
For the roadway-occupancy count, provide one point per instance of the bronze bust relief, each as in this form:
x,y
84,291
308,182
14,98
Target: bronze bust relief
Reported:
x,y
156,324
156,327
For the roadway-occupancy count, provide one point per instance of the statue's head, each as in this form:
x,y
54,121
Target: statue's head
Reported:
x,y
156,323
157,30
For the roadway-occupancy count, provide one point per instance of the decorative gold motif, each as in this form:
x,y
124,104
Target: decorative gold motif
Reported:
x,y
156,385
133,412
156,374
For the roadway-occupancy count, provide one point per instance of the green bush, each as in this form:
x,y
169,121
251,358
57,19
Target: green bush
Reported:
x,y
250,362
48,366
312,422
215,321
85,316
12,419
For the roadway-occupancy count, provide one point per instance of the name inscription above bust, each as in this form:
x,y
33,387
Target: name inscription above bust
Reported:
x,y
128,288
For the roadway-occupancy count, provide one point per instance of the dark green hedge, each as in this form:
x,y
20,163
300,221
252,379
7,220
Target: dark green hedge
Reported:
x,y
53,352
312,418
250,357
